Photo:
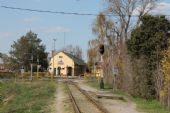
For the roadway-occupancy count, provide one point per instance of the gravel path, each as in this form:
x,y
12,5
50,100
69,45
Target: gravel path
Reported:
x,y
113,106
62,103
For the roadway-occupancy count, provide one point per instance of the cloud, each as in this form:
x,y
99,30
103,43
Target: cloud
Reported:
x,y
31,20
4,34
56,29
139,9
161,8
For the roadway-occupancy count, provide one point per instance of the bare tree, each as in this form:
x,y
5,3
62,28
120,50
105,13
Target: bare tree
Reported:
x,y
77,52
92,52
122,12
74,50
113,28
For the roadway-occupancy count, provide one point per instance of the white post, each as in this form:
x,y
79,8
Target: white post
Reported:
x,y
31,71
37,71
73,67
73,71
53,65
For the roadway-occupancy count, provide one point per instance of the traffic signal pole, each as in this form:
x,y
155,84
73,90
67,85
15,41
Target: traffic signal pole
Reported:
x,y
101,50
101,80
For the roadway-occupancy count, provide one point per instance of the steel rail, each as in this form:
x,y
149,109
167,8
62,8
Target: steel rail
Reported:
x,y
93,101
74,104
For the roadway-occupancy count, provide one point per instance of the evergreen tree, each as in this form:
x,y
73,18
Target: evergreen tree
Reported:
x,y
28,49
146,44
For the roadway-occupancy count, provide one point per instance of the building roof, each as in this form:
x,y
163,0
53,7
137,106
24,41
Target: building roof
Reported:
x,y
74,58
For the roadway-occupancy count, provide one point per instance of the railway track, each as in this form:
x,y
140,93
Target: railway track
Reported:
x,y
81,101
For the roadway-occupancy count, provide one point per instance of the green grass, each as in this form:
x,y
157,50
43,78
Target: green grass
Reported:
x,y
96,84
150,106
146,106
28,97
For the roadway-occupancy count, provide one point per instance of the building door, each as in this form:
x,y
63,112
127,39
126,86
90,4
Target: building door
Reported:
x,y
69,71
59,71
54,71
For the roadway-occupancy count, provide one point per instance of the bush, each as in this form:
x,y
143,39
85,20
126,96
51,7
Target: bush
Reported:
x,y
7,75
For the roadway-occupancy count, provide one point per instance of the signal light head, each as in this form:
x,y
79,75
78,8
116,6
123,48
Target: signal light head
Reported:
x,y
101,49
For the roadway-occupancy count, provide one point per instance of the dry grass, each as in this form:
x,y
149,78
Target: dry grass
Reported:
x,y
26,97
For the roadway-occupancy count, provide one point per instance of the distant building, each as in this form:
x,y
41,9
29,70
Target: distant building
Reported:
x,y
66,64
1,61
97,70
3,68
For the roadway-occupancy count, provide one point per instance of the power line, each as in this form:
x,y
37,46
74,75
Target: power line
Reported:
x,y
60,12
48,11
57,12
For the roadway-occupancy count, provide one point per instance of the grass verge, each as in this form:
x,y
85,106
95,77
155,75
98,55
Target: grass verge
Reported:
x,y
96,84
150,106
26,97
146,106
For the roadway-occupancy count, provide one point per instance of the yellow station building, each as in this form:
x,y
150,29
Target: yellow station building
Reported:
x,y
66,64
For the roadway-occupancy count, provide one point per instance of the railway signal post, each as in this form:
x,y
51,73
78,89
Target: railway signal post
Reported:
x,y
101,51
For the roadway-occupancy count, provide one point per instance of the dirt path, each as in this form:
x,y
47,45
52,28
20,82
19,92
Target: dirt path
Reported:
x,y
62,103
114,106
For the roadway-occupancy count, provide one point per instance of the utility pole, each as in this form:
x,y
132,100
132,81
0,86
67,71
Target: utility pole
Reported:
x,y
64,38
37,67
31,66
32,58
53,58
54,42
